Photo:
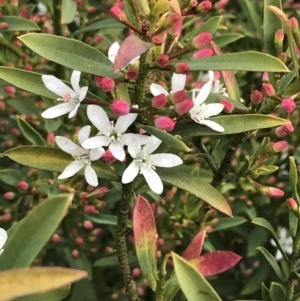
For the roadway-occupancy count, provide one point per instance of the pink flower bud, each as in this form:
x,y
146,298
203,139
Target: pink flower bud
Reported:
x,y
136,272
206,52
204,6
101,191
79,241
292,204
176,22
279,37
15,132
9,195
272,192
178,96
284,130
279,146
97,231
99,38
105,83
159,101
90,209
163,60
228,106
108,157
184,106
6,217
75,253
10,90
288,105
165,123
4,25
88,225
56,238
202,39
91,9
182,68
293,22
120,107
51,139
265,77
22,185
256,97
160,242
157,40
2,105
268,89
132,73
117,13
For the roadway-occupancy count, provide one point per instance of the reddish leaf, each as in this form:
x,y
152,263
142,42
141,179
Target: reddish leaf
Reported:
x,y
130,49
145,237
194,249
214,263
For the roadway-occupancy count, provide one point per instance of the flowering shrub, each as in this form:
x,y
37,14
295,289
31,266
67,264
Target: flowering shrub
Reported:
x,y
174,174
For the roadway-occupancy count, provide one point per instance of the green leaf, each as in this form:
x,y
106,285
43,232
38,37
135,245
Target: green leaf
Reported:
x,y
226,39
192,283
286,81
10,176
254,17
70,53
229,222
105,219
28,237
200,189
55,295
232,124
52,159
18,24
293,223
24,106
270,258
165,137
267,226
277,292
241,61
293,175
30,133
265,293
68,11
27,281
145,236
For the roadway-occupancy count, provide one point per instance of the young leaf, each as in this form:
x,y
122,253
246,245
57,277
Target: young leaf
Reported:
x,y
145,236
195,247
68,11
27,281
192,283
277,292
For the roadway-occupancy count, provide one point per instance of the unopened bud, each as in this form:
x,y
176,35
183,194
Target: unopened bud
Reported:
x,y
293,22
160,242
109,157
163,60
178,96
4,25
279,146
56,238
202,39
181,68
105,83
79,241
159,101
132,73
284,130
9,195
120,107
165,123
176,22
272,192
91,9
268,89
256,97
265,77
136,272
206,52
90,209
75,253
204,6
288,105
88,225
6,217
228,106
22,185
157,40
97,231
118,14
184,106
292,204
278,40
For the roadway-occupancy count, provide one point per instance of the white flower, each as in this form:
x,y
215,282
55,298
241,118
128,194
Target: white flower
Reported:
x,y
113,51
201,111
113,135
82,156
285,241
177,84
3,238
144,163
71,98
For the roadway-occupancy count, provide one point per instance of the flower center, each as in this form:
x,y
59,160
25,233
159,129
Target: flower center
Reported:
x,y
201,112
144,160
82,155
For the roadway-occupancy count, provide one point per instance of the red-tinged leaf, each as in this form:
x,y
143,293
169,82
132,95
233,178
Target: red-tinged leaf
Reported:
x,y
214,263
194,249
130,49
145,237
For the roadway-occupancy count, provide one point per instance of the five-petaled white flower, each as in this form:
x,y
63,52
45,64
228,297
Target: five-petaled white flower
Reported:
x,y
113,135
177,84
3,238
71,98
145,163
285,241
82,156
201,111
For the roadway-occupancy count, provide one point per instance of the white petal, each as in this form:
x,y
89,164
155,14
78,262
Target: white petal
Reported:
x,y
58,110
96,153
124,122
82,93
67,145
213,125
95,142
3,237
99,118
113,51
90,175
178,82
56,86
152,145
283,234
273,243
73,113
166,160
83,134
71,169
203,94
278,255
153,180
117,150
134,149
211,76
213,109
158,89
130,173
288,249
75,78
129,139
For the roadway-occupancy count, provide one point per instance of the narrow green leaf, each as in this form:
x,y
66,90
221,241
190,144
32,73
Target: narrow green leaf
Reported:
x,y
241,61
68,11
277,292
23,282
293,175
105,219
265,293
254,16
200,189
145,236
70,53
10,176
31,234
18,24
52,159
30,133
226,39
293,223
165,137
192,283
285,82
274,265
129,11
229,222
55,295
24,106
267,226
232,124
